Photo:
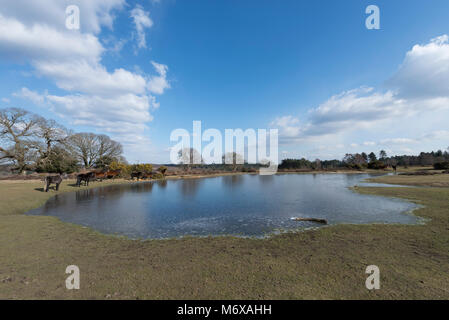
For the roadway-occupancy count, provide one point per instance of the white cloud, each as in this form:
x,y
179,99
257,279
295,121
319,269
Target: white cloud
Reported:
x,y
40,42
124,117
51,13
127,108
117,102
356,108
415,102
397,141
118,45
425,71
82,76
33,96
288,126
142,21
71,59
439,134
158,84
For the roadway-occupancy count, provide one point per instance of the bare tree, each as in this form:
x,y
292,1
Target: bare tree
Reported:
x,y
82,145
92,149
108,151
50,134
188,157
317,164
234,159
18,131
354,159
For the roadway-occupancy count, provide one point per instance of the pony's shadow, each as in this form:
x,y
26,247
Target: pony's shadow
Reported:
x,y
43,189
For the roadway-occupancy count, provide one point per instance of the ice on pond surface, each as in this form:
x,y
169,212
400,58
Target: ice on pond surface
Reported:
x,y
241,205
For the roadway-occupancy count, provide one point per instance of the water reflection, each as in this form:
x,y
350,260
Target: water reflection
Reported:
x,y
248,205
266,179
232,181
162,184
142,187
84,195
190,187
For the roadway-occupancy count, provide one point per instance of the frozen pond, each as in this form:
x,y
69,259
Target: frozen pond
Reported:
x,y
241,205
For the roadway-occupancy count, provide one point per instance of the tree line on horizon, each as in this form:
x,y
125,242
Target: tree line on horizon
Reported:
x,y
29,142
438,159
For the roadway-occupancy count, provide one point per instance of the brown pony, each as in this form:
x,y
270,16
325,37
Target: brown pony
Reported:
x,y
100,175
112,174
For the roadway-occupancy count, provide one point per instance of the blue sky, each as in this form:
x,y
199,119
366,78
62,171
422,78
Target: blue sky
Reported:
x,y
309,68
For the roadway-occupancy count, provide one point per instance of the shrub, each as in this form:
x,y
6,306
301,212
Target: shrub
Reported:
x,y
58,161
441,165
355,166
162,170
158,175
116,165
143,167
377,165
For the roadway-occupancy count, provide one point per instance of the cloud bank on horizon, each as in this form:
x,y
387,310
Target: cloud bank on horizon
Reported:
x,y
416,100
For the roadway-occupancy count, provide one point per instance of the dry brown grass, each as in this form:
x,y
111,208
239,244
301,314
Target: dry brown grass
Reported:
x,y
327,263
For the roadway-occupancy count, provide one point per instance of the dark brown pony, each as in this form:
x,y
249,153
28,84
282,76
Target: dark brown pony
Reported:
x,y
86,177
141,175
138,175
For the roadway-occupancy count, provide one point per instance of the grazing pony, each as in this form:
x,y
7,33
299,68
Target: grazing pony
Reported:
x,y
138,175
100,175
394,167
52,179
86,177
112,174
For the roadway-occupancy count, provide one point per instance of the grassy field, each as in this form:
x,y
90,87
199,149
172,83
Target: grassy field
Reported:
x,y
326,263
441,180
